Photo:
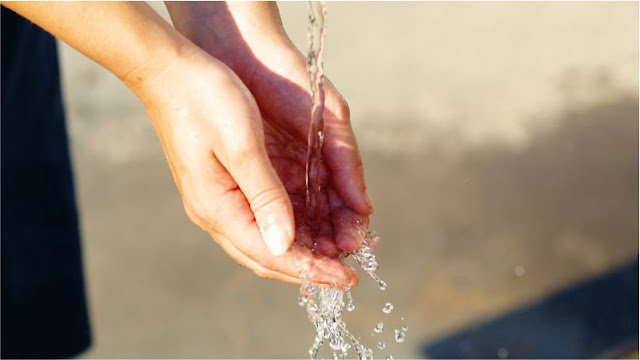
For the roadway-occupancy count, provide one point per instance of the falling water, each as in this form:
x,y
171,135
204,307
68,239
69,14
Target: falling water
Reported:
x,y
317,19
325,305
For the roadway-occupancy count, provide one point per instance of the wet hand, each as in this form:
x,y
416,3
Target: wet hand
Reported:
x,y
220,151
250,39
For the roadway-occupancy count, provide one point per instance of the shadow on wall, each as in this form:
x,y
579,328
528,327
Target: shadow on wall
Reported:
x,y
496,228
577,182
597,318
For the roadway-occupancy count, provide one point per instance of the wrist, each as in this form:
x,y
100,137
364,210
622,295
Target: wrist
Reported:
x,y
154,61
227,29
188,72
127,38
155,80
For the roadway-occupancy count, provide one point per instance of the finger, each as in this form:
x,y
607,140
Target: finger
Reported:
x,y
350,229
303,232
327,246
342,155
297,261
292,112
244,260
225,211
321,238
242,151
325,243
349,226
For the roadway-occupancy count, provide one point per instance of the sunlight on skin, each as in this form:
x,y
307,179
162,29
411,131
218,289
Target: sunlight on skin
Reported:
x,y
250,39
210,114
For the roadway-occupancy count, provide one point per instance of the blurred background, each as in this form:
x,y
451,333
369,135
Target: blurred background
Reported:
x,y
500,143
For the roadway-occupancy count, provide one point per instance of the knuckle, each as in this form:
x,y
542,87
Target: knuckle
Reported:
x,y
202,214
191,213
267,198
243,151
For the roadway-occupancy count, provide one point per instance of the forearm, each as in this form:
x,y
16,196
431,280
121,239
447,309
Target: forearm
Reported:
x,y
226,17
128,38
233,32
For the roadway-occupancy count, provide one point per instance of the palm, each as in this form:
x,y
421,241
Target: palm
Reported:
x,y
282,96
337,227
275,73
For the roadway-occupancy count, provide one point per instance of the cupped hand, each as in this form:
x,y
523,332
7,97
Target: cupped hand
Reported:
x,y
250,39
220,151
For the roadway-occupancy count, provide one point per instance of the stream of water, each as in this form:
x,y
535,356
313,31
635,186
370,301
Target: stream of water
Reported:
x,y
315,69
325,305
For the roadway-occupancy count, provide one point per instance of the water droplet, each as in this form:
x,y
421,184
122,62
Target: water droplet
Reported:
x,y
310,289
503,353
350,305
336,343
405,328
379,327
302,301
390,357
519,270
313,308
382,285
325,305
387,308
367,354
313,351
381,345
399,336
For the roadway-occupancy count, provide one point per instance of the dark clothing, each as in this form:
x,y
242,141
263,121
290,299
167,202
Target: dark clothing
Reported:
x,y
44,311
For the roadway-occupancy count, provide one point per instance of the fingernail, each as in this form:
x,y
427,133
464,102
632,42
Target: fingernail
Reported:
x,y
275,237
367,199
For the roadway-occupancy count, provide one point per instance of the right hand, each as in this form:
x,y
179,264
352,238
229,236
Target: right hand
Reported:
x,y
213,137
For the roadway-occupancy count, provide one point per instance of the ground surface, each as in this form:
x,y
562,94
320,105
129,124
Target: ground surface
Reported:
x,y
500,145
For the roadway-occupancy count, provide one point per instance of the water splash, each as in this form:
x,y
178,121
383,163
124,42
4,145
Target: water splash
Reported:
x,y
324,304
317,29
350,305
379,327
388,307
365,257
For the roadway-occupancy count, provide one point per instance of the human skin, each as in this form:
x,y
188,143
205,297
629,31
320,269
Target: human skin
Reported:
x,y
218,144
249,37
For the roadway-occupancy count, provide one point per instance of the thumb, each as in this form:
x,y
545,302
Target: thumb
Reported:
x,y
252,170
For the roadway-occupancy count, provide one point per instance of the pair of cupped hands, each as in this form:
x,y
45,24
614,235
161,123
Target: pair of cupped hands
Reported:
x,y
233,119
